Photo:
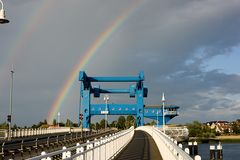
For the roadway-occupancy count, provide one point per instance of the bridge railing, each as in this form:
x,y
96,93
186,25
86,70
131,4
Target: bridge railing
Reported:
x,y
16,133
101,149
3,134
168,147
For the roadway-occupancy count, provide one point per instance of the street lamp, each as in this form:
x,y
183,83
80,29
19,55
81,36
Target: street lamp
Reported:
x,y
163,102
2,15
157,118
106,99
58,119
9,118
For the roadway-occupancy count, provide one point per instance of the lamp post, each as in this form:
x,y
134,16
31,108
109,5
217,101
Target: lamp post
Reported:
x,y
9,118
163,103
58,122
2,15
157,118
106,99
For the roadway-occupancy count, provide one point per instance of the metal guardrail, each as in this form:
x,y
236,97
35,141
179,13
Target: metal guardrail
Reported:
x,y
34,132
101,149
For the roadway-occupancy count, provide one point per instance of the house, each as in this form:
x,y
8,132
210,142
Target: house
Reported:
x,y
220,126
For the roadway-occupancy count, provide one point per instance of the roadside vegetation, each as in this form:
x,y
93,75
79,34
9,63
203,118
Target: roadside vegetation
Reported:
x,y
197,129
122,123
200,130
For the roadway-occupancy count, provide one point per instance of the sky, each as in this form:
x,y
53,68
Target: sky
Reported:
x,y
188,49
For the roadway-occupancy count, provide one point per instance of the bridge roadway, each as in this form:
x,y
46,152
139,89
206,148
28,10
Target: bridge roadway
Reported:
x,y
26,147
142,147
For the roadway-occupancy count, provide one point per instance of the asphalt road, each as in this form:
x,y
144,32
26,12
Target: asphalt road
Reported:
x,y
142,147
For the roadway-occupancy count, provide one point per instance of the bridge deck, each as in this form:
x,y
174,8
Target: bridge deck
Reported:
x,y
142,146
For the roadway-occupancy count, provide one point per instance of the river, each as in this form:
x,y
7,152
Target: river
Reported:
x,y
231,151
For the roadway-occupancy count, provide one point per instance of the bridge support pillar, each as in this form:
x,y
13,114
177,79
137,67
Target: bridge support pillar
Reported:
x,y
86,108
139,108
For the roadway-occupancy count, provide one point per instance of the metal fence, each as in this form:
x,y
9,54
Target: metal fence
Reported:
x,y
33,132
99,149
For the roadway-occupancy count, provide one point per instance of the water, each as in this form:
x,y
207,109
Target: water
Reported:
x,y
231,151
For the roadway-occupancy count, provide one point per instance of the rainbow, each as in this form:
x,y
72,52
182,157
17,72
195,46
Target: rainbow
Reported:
x,y
24,34
100,41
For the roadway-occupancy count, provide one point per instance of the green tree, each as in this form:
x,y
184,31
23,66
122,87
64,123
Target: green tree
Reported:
x,y
34,126
130,121
98,126
195,129
92,126
69,123
226,131
153,123
15,126
54,122
45,121
102,124
121,122
235,128
113,124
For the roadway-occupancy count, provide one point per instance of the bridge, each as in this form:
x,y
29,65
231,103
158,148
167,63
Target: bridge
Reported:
x,y
137,91
144,142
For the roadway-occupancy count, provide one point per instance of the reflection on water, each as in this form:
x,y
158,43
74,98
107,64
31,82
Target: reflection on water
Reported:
x,y
231,151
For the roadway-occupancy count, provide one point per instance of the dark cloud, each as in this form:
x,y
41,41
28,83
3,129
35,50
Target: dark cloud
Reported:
x,y
169,40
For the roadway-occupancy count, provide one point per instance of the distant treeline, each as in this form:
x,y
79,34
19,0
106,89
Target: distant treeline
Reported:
x,y
197,129
122,123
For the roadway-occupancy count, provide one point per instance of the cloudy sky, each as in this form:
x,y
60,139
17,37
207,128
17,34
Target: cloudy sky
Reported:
x,y
189,49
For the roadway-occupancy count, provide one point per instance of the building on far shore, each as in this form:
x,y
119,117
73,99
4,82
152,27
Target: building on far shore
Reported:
x,y
220,126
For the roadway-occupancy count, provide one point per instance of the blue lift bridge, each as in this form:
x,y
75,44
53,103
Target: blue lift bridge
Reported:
x,y
137,91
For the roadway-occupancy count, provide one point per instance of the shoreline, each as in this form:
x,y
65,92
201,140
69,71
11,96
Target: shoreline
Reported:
x,y
222,139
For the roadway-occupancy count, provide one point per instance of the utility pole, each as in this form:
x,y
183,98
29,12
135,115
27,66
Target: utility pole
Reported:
x,y
106,99
9,118
58,120
163,110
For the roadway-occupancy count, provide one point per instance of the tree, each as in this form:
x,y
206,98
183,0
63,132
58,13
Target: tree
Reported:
x,y
153,123
15,126
92,126
121,122
69,123
54,122
113,124
130,121
235,128
98,126
34,126
196,129
45,121
102,123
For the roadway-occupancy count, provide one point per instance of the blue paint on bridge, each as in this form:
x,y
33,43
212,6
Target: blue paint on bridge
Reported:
x,y
137,91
